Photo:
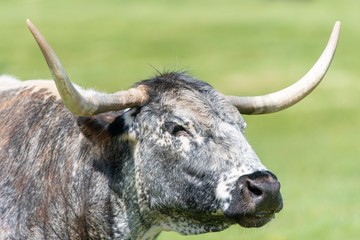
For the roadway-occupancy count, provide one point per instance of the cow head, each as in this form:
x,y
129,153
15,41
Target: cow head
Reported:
x,y
194,170
195,167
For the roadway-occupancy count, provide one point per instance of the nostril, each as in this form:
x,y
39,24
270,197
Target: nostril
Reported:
x,y
256,195
254,189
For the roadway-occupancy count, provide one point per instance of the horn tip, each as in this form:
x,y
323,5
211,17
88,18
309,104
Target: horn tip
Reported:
x,y
337,25
28,22
30,25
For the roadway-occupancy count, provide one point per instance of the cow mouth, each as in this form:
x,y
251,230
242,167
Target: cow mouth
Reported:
x,y
255,220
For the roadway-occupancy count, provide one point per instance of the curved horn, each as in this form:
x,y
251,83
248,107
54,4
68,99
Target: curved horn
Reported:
x,y
77,103
287,97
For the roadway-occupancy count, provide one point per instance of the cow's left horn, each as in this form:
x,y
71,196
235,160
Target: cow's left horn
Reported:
x,y
80,104
287,97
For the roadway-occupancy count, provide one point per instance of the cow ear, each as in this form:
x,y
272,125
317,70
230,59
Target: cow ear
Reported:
x,y
95,127
103,126
106,125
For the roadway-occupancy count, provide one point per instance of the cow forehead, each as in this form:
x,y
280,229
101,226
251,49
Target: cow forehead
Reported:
x,y
208,110
181,91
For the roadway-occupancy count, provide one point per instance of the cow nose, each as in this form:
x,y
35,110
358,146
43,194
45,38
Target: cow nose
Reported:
x,y
255,199
262,190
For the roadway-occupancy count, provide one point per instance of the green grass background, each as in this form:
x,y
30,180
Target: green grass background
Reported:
x,y
241,47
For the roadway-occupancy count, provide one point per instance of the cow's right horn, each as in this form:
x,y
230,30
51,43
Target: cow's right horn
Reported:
x,y
77,103
287,97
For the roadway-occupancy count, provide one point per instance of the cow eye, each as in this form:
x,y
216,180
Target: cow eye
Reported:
x,y
176,129
179,130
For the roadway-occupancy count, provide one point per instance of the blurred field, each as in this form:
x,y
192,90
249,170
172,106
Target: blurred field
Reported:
x,y
240,47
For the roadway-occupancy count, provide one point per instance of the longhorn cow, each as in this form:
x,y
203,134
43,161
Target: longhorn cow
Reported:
x,y
168,154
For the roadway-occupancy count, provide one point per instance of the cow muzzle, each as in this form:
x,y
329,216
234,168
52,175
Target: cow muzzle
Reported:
x,y
255,199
